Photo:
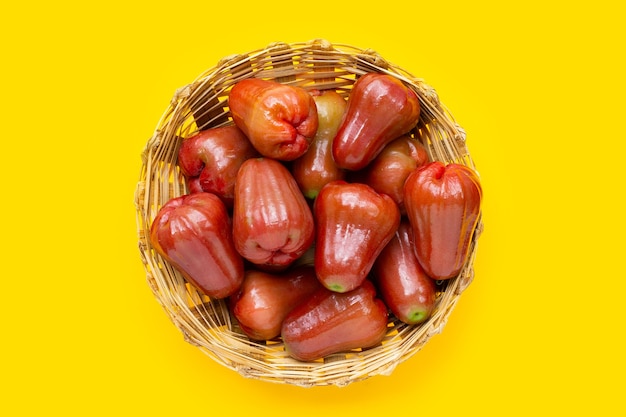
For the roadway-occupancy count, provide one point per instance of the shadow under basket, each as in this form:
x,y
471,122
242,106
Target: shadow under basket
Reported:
x,y
202,104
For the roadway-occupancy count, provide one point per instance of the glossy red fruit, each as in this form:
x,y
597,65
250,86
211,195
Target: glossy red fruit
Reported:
x,y
193,233
380,109
389,170
272,221
354,223
280,120
443,204
214,156
329,322
402,283
265,299
317,167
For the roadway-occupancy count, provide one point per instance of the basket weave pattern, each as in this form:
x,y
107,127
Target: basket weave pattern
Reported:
x,y
203,104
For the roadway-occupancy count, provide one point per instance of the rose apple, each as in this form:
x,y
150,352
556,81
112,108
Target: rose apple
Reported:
x,y
280,120
354,223
264,299
443,205
272,221
403,285
317,167
329,322
389,170
380,109
193,233
214,156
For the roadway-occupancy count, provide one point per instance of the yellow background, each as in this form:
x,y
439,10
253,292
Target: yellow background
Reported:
x,y
538,86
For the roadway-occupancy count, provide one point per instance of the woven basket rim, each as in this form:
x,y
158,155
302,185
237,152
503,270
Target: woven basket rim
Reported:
x,y
205,323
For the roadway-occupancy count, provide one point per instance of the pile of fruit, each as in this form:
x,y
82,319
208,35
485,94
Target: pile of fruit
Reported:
x,y
317,216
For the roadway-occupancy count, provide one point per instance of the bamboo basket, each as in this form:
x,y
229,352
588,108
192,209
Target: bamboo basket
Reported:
x,y
207,323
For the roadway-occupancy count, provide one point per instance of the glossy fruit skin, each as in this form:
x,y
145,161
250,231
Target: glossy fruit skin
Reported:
x,y
380,109
214,156
272,221
280,120
389,170
353,225
193,233
401,281
317,167
443,204
329,322
193,185
265,299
